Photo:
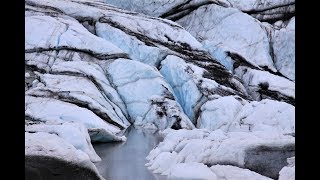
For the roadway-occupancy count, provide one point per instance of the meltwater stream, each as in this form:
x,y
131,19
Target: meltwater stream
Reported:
x,y
125,160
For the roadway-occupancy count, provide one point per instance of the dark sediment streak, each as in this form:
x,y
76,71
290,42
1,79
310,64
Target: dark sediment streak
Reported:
x,y
50,168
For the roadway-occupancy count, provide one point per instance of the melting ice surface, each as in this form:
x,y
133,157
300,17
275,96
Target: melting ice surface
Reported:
x,y
125,160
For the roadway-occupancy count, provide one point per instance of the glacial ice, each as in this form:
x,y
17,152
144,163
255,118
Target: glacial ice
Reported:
x,y
74,133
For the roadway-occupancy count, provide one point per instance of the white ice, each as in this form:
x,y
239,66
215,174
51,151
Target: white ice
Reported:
x,y
253,78
45,109
229,30
47,32
202,146
80,89
235,173
51,145
288,172
140,86
74,133
185,89
218,113
265,116
284,49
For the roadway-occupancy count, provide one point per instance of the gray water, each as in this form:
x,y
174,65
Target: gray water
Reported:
x,y
125,160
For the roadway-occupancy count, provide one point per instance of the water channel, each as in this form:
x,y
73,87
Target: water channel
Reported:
x,y
125,160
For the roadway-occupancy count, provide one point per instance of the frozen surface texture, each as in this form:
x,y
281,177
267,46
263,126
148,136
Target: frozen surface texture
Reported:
x,y
241,149
226,29
215,77
50,147
284,49
288,172
74,133
148,98
262,84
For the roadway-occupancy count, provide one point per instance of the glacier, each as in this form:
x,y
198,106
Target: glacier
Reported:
x,y
214,78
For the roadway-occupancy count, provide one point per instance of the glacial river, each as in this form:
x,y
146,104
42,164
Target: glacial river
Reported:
x,y
125,160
